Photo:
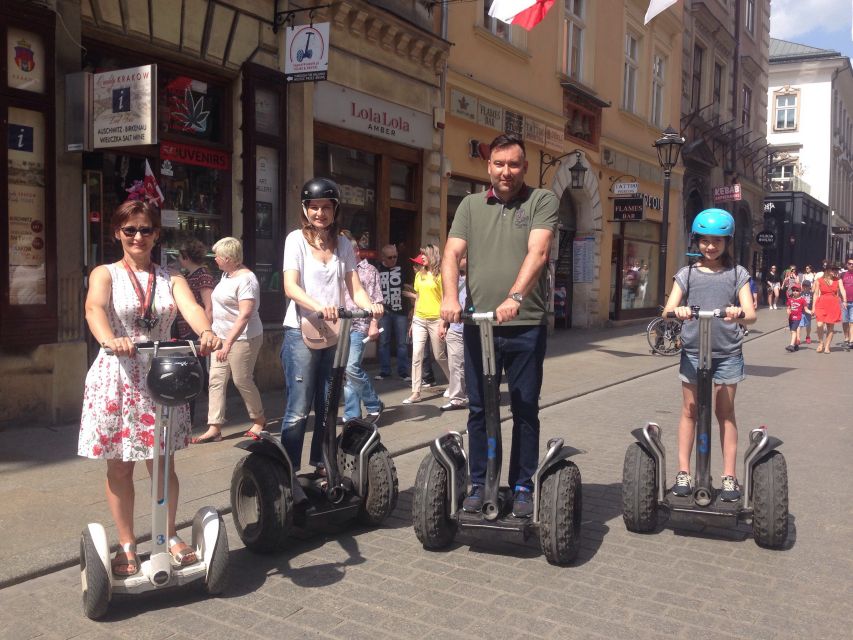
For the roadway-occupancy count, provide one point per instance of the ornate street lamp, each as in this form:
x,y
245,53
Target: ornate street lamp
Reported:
x,y
577,170
668,147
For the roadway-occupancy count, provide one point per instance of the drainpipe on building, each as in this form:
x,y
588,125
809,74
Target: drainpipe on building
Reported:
x,y
445,179
737,87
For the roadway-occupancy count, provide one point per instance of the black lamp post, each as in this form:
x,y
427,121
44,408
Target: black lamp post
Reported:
x,y
668,147
577,170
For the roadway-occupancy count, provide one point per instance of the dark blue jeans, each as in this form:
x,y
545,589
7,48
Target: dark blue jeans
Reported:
x,y
394,326
520,351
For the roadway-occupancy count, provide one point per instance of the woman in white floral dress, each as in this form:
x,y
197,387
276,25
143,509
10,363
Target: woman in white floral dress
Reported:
x,y
130,301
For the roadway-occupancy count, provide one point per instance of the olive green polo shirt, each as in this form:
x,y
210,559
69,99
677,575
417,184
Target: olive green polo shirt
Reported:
x,y
496,233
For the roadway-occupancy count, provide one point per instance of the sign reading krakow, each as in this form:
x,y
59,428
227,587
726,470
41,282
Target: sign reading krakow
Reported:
x,y
728,193
124,105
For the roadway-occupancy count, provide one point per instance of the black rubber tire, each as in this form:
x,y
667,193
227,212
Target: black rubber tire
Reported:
x,y
382,488
560,513
639,502
265,482
433,527
770,501
218,572
96,593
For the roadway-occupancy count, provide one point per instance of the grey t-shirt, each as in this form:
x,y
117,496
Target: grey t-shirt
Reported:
x,y
709,291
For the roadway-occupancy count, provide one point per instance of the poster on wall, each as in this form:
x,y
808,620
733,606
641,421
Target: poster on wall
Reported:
x,y
26,183
24,60
307,57
583,264
124,105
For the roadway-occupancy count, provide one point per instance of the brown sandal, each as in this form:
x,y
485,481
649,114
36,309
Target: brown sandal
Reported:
x,y
125,563
184,556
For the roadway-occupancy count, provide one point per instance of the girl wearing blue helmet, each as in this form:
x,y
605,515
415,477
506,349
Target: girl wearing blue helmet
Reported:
x,y
712,282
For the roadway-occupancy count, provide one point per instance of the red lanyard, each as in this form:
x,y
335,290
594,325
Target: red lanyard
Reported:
x,y
146,301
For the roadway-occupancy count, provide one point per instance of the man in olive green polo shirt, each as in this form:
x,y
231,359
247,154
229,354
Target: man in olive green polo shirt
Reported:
x,y
506,233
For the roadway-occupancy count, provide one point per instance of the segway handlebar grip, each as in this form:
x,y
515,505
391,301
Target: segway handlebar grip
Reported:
x,y
485,315
716,313
346,313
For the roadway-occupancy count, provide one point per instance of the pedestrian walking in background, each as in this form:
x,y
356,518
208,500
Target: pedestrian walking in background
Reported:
x,y
808,311
807,276
847,308
829,295
772,284
796,305
506,233
395,322
359,389
790,278
713,282
192,256
427,319
457,393
236,301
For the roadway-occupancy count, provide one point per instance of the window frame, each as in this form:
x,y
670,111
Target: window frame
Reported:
x,y
749,16
630,72
572,20
36,324
746,107
658,89
696,76
795,108
490,24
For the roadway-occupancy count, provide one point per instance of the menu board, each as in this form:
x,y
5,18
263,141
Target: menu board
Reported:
x,y
584,259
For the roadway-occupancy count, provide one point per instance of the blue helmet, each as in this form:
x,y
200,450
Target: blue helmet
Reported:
x,y
714,222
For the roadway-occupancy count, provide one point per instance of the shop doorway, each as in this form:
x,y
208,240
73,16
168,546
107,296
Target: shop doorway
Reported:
x,y
564,267
402,233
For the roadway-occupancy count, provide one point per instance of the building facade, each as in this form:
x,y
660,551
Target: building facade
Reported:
x,y
235,140
810,100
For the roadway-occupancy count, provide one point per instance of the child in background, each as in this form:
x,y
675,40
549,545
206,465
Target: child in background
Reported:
x,y
806,321
796,309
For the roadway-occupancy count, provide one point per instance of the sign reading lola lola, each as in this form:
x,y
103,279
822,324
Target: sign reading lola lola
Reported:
x,y
360,112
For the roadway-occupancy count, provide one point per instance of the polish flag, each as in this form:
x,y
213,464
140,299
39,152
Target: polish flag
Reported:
x,y
152,189
523,13
656,7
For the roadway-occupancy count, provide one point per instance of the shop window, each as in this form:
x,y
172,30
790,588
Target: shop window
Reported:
x,y
402,181
190,108
28,272
639,261
355,172
457,189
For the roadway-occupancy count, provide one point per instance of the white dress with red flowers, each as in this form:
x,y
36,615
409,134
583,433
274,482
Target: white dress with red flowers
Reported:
x,y
118,414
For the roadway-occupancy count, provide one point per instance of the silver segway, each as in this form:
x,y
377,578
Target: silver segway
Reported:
x,y
764,494
174,377
442,482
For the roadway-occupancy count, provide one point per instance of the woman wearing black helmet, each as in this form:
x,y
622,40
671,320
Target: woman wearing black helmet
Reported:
x,y
318,264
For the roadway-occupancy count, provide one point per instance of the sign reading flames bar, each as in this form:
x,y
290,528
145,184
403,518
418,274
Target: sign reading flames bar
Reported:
x,y
626,209
728,193
125,107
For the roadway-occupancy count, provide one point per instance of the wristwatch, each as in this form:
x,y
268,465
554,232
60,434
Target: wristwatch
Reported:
x,y
515,295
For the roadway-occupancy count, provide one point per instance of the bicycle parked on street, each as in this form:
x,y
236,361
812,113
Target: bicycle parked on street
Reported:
x,y
664,336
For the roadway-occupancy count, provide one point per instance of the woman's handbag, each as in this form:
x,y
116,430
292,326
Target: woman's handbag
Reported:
x,y
318,333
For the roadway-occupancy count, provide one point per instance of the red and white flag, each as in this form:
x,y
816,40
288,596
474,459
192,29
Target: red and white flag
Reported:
x,y
523,13
152,189
656,7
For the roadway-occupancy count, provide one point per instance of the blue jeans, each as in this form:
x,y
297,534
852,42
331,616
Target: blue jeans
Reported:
x,y
358,387
394,325
306,382
520,351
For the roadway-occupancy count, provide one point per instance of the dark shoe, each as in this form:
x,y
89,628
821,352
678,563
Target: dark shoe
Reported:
x,y
426,385
373,416
730,491
682,487
797,347
474,502
791,348
406,378
452,406
381,376
522,502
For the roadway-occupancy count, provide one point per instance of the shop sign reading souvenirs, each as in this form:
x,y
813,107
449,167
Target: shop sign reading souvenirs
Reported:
x,y
307,48
360,112
124,102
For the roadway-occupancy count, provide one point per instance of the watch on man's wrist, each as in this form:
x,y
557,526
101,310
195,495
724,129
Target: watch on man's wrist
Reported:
x,y
517,296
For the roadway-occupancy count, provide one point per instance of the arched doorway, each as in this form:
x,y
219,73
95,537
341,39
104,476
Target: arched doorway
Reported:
x,y
563,268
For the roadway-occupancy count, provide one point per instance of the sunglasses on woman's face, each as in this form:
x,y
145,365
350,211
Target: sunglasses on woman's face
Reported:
x,y
130,232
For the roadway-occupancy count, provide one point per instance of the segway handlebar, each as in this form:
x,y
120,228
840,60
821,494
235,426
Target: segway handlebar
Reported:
x,y
163,347
698,313
485,315
346,313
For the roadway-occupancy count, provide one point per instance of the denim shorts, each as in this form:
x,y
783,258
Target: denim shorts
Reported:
x,y
806,320
847,312
725,370
793,325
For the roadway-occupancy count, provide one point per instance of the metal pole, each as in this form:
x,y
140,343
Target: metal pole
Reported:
x,y
664,233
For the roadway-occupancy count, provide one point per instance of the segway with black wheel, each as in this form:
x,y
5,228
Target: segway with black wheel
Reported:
x,y
442,481
174,378
270,500
764,495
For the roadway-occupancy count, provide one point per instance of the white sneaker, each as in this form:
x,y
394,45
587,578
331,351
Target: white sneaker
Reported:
x,y
446,393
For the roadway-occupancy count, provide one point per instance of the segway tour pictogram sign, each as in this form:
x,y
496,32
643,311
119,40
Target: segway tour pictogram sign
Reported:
x,y
307,52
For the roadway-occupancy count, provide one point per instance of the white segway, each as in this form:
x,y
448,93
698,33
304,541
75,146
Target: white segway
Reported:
x,y
173,379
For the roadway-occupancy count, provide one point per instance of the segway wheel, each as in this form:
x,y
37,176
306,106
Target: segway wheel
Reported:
x,y
382,488
94,578
217,573
430,507
261,503
560,508
639,504
770,501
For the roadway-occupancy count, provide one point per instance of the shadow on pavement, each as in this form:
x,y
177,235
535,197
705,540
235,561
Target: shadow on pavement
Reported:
x,y
740,533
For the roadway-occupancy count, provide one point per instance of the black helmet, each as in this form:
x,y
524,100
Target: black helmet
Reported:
x,y
320,189
174,380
